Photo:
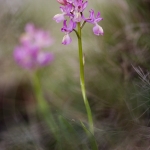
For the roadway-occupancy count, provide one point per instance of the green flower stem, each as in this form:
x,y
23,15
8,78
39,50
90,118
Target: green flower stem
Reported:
x,y
43,108
88,109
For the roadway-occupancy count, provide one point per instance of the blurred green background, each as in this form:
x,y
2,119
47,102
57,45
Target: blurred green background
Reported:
x,y
116,73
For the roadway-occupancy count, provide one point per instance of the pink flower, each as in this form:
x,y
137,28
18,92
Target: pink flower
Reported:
x,y
67,29
74,10
29,53
66,11
98,30
79,5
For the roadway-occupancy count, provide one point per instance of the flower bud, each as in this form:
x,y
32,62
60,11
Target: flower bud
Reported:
x,y
62,2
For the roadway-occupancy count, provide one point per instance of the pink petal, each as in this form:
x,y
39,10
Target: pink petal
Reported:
x,y
59,17
44,58
66,39
84,5
98,30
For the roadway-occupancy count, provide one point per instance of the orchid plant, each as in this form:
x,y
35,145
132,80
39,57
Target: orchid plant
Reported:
x,y
29,54
73,10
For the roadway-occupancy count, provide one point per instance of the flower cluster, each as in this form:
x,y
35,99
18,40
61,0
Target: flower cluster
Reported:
x,y
28,53
74,10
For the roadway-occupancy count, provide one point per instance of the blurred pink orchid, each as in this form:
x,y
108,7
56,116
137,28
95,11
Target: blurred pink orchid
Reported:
x,y
29,53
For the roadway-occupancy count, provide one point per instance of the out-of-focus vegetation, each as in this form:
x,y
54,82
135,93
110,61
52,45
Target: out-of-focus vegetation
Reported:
x,y
116,72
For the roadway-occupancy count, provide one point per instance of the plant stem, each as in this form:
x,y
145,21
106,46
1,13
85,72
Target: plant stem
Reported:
x,y
82,82
42,106
41,103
